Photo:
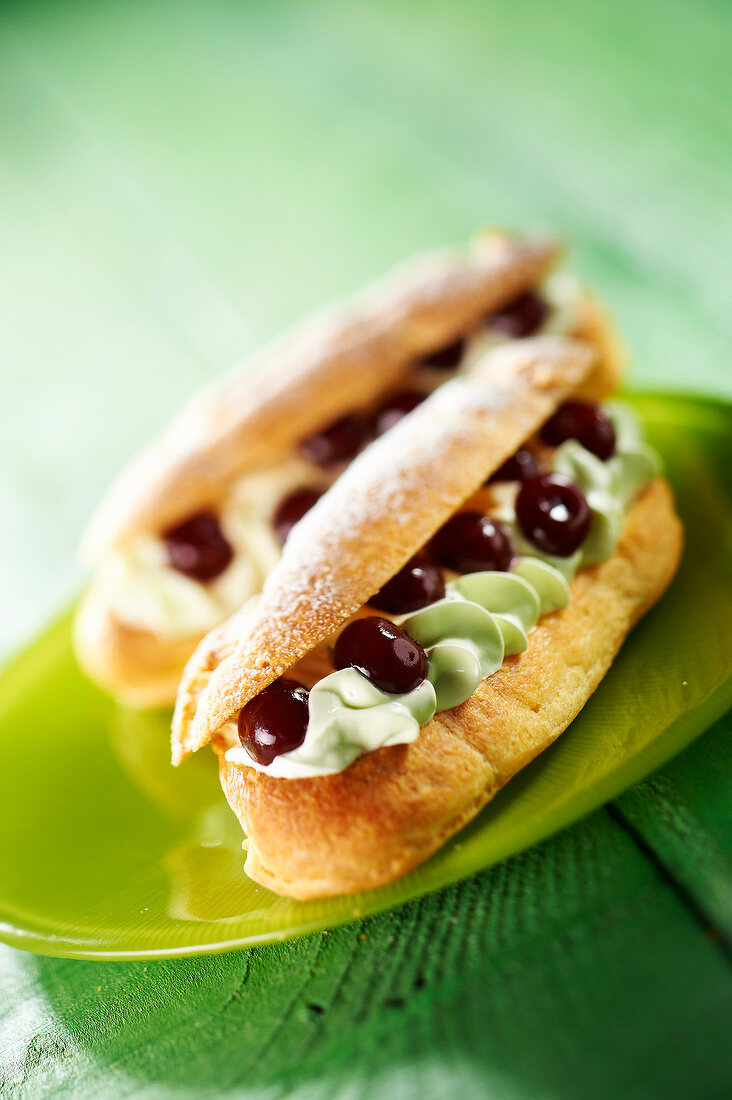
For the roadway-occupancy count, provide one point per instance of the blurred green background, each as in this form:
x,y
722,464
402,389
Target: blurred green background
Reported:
x,y
179,180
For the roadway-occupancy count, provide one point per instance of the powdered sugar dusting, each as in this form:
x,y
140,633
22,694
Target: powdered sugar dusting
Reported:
x,y
340,357
404,470
387,504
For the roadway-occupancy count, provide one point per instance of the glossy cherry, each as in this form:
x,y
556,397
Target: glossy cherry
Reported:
x,y
395,407
417,584
338,442
586,423
383,653
446,358
553,514
291,509
518,467
275,721
470,542
198,547
522,317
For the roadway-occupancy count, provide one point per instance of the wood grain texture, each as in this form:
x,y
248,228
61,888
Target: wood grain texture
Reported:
x,y
372,823
675,816
582,944
180,181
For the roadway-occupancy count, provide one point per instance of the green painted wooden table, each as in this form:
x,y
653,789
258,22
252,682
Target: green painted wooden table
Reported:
x,y
177,181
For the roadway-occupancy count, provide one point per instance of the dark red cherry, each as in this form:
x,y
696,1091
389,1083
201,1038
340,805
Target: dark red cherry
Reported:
x,y
198,547
336,443
395,407
584,422
275,721
521,317
553,514
447,358
517,468
470,542
383,653
291,509
417,584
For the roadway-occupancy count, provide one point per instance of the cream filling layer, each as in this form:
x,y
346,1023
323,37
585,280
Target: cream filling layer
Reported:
x,y
141,589
483,618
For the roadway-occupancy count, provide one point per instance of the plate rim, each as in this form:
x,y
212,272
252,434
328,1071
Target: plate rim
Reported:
x,y
682,732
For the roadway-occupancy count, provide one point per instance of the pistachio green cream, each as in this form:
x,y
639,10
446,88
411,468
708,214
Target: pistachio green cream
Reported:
x,y
483,618
348,716
609,487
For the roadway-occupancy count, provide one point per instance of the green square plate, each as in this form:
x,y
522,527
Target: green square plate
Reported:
x,y
107,852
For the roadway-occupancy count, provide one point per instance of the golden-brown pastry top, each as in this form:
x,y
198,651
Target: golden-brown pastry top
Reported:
x,y
383,509
336,361
144,669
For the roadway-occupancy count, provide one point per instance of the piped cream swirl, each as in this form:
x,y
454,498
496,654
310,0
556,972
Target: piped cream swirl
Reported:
x,y
483,618
143,591
348,717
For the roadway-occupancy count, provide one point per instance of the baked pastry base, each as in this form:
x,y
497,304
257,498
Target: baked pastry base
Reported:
x,y
391,809
137,667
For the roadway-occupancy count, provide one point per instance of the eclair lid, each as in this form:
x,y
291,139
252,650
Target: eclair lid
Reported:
x,y
386,505
336,361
